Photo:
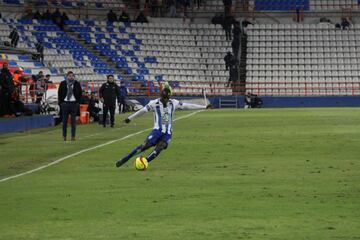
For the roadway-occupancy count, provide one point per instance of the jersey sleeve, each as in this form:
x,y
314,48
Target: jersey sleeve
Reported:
x,y
148,107
180,105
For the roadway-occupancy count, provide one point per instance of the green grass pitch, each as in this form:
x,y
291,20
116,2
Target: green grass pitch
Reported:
x,y
228,174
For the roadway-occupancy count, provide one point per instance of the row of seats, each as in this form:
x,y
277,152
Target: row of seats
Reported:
x,y
273,58
306,5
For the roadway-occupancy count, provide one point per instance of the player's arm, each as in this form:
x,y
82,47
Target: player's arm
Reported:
x,y
191,106
140,112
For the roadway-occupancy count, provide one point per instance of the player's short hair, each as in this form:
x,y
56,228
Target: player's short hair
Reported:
x,y
166,93
69,72
110,75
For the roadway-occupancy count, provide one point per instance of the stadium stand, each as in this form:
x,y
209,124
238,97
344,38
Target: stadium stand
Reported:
x,y
179,53
61,53
303,59
307,5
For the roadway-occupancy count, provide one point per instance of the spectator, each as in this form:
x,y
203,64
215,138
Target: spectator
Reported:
x,y
28,14
92,109
236,30
235,44
345,24
69,95
227,6
56,17
40,49
228,21
244,24
252,101
84,98
172,8
218,19
14,36
233,68
47,79
185,5
7,89
198,2
124,17
109,92
111,16
37,15
46,15
64,18
141,18
227,60
40,88
122,100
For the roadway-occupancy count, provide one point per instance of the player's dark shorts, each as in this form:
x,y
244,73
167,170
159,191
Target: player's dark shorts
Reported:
x,y
156,136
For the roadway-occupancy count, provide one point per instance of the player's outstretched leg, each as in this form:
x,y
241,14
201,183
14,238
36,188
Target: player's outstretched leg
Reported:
x,y
137,149
159,147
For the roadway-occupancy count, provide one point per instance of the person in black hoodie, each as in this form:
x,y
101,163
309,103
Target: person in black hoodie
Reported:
x,y
69,96
6,90
108,94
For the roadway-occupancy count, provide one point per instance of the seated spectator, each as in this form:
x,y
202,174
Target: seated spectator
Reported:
x,y
141,18
345,24
124,17
84,98
46,15
111,16
252,101
93,109
37,15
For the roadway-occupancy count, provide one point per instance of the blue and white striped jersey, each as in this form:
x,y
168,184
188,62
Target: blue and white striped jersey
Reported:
x,y
163,115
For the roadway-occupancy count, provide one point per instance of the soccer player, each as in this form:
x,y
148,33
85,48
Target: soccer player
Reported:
x,y
160,136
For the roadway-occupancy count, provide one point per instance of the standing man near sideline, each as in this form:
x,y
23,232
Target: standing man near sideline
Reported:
x,y
69,95
108,93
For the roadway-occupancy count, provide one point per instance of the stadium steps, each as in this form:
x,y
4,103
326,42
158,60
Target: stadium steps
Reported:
x,y
106,59
243,48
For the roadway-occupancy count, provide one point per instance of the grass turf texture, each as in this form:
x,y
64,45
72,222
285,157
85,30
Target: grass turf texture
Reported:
x,y
228,174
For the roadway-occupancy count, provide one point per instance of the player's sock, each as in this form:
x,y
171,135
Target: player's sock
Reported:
x,y
152,155
130,155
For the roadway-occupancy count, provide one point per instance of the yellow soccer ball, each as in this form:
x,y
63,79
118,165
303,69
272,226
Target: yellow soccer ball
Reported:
x,y
141,163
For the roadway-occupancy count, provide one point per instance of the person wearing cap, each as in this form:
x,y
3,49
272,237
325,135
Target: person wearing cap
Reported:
x,y
69,96
163,109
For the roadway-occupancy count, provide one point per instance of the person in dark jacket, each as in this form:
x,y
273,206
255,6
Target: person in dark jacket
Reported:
x,y
235,44
236,30
228,59
228,21
111,16
124,17
69,96
108,94
7,89
123,95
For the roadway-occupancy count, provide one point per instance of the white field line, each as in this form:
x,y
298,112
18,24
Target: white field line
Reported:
x,y
87,150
